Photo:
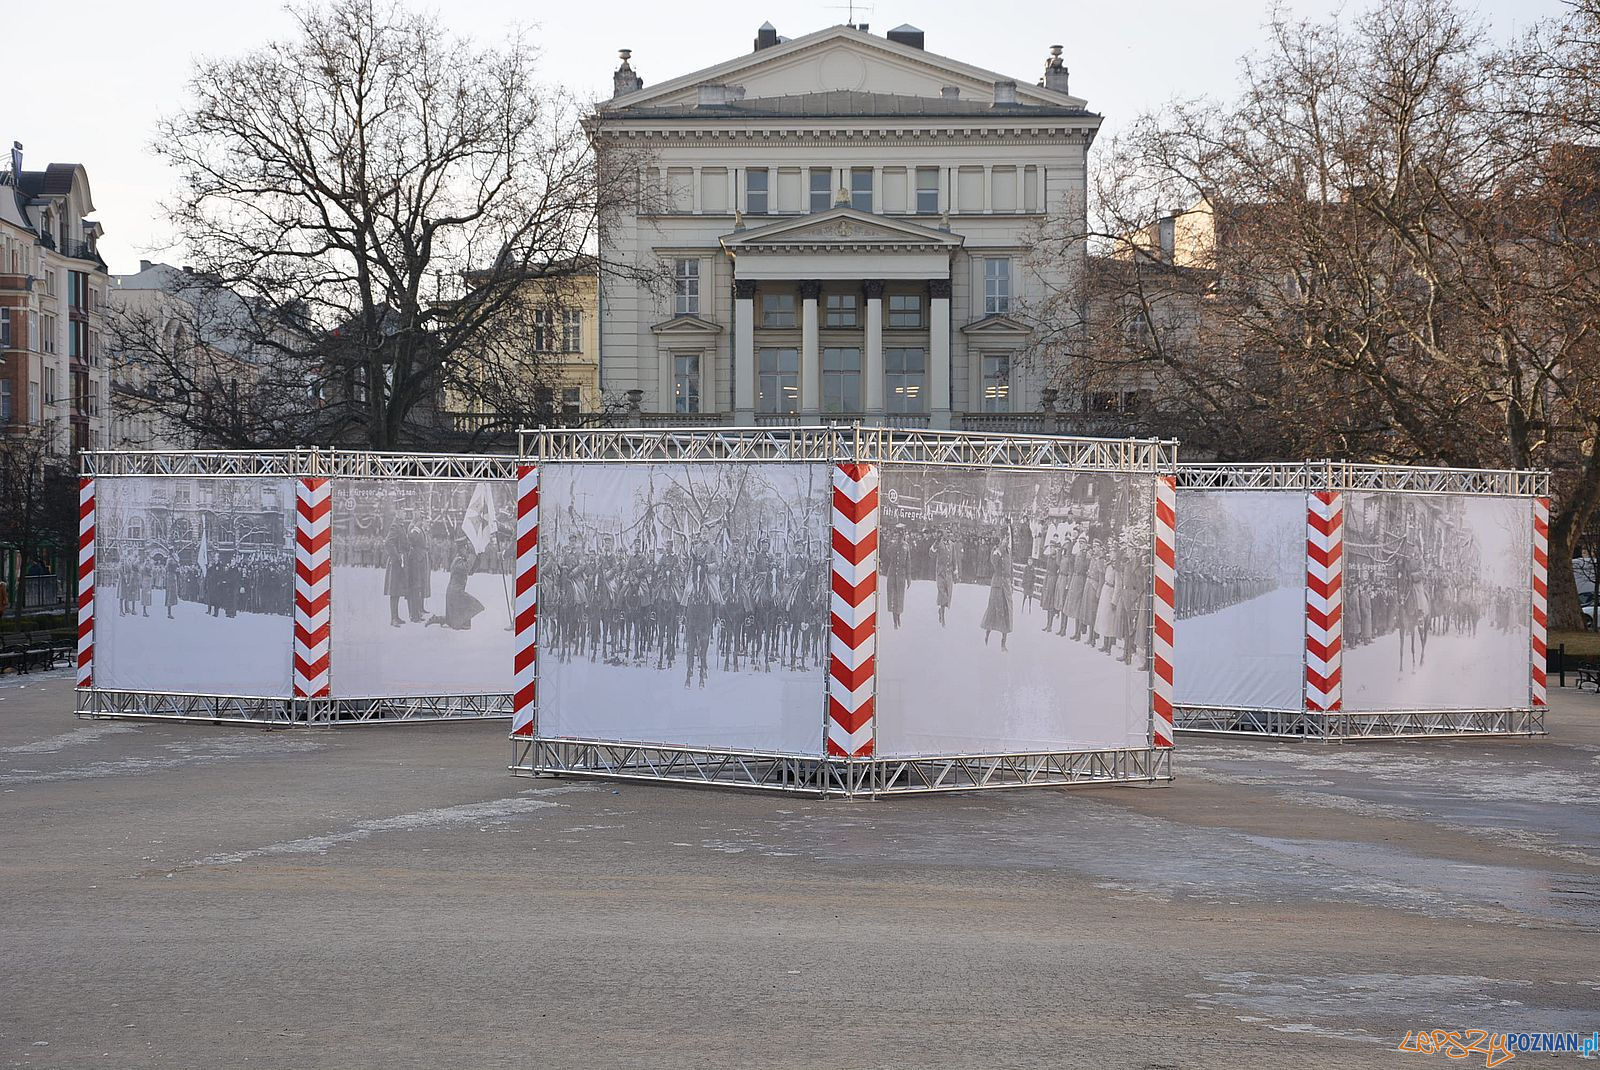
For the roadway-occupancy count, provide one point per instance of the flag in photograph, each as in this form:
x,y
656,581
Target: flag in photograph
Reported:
x,y
478,525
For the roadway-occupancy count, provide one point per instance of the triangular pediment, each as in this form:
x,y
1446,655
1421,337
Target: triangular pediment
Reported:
x,y
995,326
686,326
837,59
843,229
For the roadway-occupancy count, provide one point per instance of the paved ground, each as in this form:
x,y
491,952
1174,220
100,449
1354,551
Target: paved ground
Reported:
x,y
192,896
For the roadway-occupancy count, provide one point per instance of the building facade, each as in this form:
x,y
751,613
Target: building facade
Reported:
x,y
53,284
842,223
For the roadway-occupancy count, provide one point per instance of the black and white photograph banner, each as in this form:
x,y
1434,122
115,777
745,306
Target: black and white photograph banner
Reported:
x,y
422,587
1436,602
1013,611
195,585
1240,630
684,604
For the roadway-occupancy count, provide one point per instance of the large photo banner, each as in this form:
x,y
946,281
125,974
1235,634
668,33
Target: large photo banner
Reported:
x,y
194,585
421,587
684,604
1240,633
1436,601
1013,610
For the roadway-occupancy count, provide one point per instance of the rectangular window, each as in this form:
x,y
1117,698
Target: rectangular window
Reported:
x,y
905,377
861,189
755,191
571,399
544,330
777,310
821,189
33,403
841,380
572,331
47,337
686,382
77,289
5,401
49,386
927,191
996,286
779,380
686,288
50,282
841,310
905,310
996,382
5,328
94,397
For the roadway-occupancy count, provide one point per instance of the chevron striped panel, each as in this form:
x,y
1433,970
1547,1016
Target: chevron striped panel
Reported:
x,y
85,583
313,578
1324,601
1166,530
1541,595
526,644
853,642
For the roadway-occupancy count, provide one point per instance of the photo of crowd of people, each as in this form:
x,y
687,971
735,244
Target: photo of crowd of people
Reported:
x,y
194,564
411,556
1436,601
698,591
1240,599
1054,565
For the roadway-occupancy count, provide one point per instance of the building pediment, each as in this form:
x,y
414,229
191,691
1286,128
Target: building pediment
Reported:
x,y
837,59
685,327
841,230
996,327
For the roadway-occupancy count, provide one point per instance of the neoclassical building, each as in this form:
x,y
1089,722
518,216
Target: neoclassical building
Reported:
x,y
845,220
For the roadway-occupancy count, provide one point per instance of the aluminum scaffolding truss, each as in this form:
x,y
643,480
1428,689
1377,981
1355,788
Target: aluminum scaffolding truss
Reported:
x,y
105,703
870,777
853,443
1344,476
1340,727
313,463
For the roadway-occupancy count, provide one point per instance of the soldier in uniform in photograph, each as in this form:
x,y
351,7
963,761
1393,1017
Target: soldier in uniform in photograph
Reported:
x,y
944,573
997,613
169,585
459,605
896,566
1069,594
394,570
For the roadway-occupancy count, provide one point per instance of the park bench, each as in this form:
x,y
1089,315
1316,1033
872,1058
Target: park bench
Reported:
x,y
13,653
1590,675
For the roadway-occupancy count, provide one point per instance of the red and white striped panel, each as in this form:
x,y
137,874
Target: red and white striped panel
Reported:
x,y
85,583
1541,595
1324,601
853,643
526,643
313,586
1166,573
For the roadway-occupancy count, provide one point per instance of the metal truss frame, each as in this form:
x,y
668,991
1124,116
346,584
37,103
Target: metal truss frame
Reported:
x,y
97,702
851,443
319,463
1341,727
1346,476
848,777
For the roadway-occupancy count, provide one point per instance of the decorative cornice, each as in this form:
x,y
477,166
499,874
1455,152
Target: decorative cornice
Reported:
x,y
938,288
744,289
873,288
810,289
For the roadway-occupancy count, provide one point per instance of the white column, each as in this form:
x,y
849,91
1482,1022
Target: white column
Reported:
x,y
872,366
810,354
988,189
939,354
665,402
1022,190
697,177
744,353
877,191
708,380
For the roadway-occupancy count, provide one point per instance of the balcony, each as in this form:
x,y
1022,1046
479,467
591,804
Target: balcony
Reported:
x,y
80,250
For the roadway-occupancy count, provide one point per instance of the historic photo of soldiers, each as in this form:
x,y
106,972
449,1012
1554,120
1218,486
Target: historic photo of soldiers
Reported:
x,y
1436,601
697,591
974,564
186,565
422,585
1240,599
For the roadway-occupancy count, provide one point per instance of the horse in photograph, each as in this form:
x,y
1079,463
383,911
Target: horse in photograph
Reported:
x,y
1415,613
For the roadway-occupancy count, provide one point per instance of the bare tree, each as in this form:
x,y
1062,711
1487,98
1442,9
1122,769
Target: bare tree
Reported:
x,y
1378,258
38,501
373,191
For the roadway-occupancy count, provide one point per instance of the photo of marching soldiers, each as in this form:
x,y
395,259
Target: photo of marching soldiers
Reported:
x,y
697,591
422,586
1240,599
1030,591
184,566
1437,601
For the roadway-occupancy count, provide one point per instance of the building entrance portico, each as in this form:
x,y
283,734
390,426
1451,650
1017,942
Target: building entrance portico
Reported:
x,y
842,313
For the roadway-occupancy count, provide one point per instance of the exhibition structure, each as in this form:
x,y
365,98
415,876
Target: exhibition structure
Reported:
x,y
1334,601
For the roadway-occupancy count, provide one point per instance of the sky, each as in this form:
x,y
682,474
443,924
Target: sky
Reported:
x,y
97,100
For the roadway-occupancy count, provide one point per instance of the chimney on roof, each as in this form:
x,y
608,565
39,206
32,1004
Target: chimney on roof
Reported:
x,y
1055,71
766,36
907,34
144,265
1005,92
16,163
624,81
